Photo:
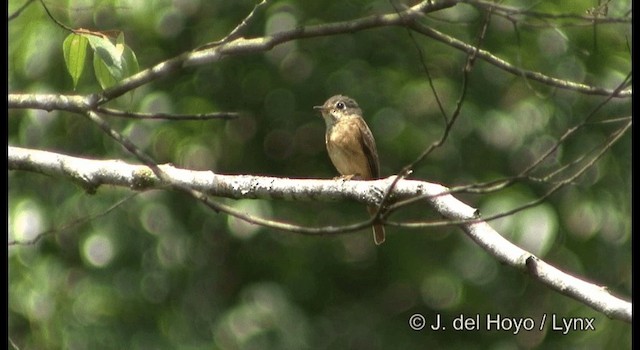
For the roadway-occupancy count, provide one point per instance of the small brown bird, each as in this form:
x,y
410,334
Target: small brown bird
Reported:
x,y
351,145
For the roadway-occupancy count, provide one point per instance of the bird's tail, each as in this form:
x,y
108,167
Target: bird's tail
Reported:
x,y
378,229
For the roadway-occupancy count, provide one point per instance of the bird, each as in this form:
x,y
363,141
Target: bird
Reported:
x,y
351,146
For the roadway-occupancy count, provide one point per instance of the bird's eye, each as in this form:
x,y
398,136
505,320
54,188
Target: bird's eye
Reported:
x,y
340,105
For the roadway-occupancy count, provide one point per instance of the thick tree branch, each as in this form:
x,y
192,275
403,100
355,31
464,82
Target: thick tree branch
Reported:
x,y
51,102
511,12
408,17
82,104
166,116
93,173
244,46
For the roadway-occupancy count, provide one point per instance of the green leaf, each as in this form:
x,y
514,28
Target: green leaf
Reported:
x,y
74,50
108,54
120,43
103,73
130,61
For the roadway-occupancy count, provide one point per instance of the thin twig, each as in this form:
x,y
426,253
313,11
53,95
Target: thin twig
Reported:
x,y
508,67
577,127
125,142
449,122
237,31
55,20
503,10
73,223
614,137
17,12
499,184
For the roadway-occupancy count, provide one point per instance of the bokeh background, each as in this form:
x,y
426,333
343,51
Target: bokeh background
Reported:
x,y
163,272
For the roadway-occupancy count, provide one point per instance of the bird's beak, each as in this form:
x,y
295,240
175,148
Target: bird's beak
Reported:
x,y
319,107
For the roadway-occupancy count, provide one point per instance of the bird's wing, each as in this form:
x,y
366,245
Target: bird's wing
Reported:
x,y
369,147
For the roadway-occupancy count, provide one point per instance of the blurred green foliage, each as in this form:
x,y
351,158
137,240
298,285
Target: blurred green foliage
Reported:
x,y
161,271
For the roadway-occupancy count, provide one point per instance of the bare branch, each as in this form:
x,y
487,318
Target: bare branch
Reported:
x,y
449,122
613,138
408,17
138,177
55,20
166,116
72,223
597,297
125,142
244,46
82,104
237,31
17,12
405,18
510,12
50,102
502,64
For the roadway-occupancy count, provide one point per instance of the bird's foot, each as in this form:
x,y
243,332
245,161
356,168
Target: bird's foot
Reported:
x,y
346,177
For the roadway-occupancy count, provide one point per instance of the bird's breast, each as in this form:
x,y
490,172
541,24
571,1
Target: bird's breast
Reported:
x,y
344,146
